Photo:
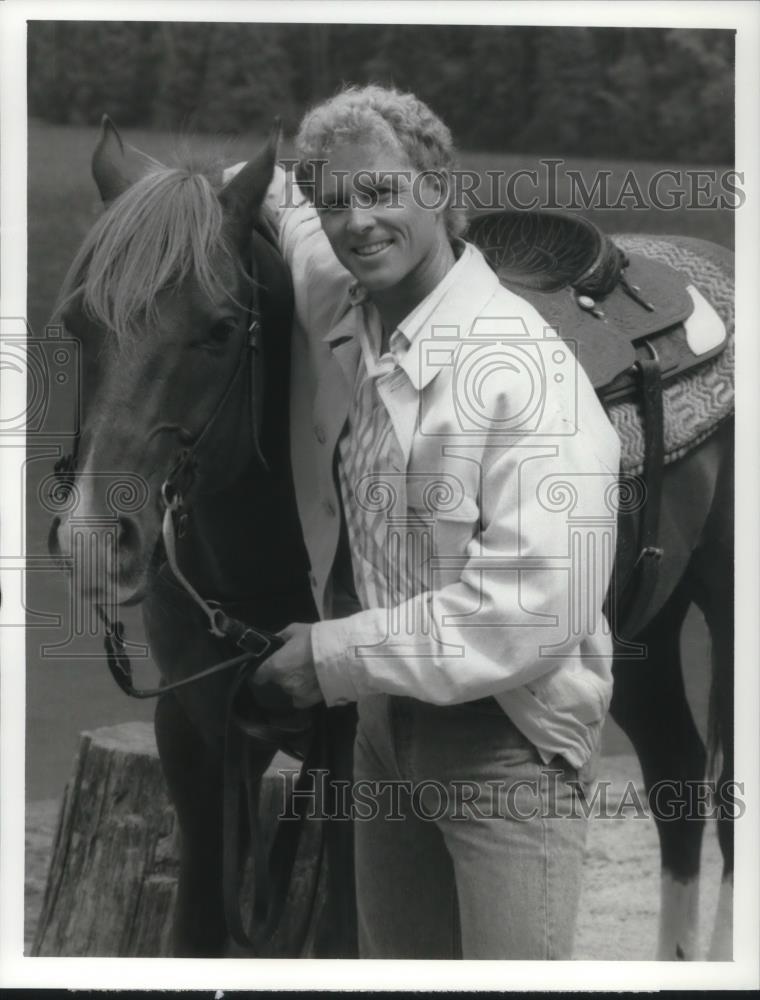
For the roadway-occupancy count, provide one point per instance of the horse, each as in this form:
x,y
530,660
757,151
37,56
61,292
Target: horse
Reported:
x,y
160,298
180,387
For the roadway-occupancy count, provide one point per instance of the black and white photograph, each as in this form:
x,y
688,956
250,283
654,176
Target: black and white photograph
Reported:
x,y
379,495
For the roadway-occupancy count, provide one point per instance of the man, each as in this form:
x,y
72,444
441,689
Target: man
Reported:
x,y
451,462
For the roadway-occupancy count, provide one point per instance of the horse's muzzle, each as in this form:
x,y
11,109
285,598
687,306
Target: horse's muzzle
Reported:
x,y
104,559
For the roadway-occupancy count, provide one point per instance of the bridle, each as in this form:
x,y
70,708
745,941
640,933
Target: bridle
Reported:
x,y
271,728
257,643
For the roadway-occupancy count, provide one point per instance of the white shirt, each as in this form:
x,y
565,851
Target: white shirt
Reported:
x,y
519,528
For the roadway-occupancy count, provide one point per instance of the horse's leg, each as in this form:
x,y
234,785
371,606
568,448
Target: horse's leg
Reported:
x,y
719,617
194,776
713,572
649,703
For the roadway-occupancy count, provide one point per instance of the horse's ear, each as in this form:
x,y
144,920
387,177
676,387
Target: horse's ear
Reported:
x,y
243,195
116,165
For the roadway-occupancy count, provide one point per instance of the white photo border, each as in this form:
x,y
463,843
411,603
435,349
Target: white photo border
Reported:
x,y
19,971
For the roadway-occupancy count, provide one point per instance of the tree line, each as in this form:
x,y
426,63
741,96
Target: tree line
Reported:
x,y
646,93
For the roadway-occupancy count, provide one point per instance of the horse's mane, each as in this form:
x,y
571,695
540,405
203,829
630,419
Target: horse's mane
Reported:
x,y
164,228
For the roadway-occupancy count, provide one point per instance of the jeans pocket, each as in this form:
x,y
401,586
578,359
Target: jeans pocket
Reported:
x,y
573,787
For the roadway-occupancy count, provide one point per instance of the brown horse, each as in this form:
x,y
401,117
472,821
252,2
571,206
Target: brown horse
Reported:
x,y
160,296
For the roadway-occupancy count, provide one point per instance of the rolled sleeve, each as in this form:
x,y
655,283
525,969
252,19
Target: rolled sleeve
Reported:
x,y
329,645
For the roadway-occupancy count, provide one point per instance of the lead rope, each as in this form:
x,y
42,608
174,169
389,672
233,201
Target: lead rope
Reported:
x,y
257,643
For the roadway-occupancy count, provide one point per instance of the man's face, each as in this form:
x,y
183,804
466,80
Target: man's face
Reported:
x,y
384,219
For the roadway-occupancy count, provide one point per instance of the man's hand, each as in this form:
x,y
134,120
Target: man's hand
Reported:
x,y
292,668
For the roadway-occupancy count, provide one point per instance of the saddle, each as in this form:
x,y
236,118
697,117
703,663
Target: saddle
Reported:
x,y
624,315
616,309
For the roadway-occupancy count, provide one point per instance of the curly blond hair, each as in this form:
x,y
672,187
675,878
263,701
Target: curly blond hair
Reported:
x,y
381,112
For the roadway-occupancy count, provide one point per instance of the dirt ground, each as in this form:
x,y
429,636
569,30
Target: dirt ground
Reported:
x,y
620,900
619,905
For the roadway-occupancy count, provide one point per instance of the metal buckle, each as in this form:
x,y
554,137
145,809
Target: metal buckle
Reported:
x,y
269,643
215,617
170,495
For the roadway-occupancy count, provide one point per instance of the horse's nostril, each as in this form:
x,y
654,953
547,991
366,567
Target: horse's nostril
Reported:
x,y
127,537
54,545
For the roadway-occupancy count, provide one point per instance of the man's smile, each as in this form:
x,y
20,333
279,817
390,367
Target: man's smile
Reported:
x,y
371,249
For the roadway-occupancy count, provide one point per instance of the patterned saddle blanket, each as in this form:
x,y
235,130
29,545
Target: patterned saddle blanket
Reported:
x,y
696,402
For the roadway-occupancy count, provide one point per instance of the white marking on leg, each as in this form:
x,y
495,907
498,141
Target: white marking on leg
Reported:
x,y
722,944
679,918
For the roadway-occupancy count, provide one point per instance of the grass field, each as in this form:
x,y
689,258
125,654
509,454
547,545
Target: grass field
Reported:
x,y
66,696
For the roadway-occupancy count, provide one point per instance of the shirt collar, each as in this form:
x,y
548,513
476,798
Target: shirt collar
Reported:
x,y
449,312
456,301
417,319
402,338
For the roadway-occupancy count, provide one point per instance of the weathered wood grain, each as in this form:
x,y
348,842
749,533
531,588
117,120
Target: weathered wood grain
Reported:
x,y
112,880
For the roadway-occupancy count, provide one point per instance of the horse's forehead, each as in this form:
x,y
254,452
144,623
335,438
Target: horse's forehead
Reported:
x,y
77,321
191,299
228,275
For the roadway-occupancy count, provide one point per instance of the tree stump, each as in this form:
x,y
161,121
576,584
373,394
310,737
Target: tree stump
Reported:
x,y
112,880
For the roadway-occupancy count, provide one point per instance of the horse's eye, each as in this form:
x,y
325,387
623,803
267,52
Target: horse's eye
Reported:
x,y
221,333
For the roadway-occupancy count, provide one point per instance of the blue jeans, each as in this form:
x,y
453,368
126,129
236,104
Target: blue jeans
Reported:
x,y
467,845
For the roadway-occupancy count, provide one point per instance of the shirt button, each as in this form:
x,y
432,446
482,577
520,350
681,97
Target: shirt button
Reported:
x,y
320,433
329,508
